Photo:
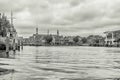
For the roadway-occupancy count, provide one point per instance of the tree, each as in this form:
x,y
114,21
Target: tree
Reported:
x,y
95,40
84,40
48,39
76,39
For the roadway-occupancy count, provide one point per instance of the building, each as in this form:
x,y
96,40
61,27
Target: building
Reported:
x,y
35,40
112,38
41,39
57,40
68,40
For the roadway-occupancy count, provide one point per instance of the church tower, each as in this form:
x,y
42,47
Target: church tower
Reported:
x,y
48,32
36,30
57,32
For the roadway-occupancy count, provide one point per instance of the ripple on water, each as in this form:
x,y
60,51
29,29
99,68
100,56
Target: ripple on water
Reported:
x,y
6,71
66,63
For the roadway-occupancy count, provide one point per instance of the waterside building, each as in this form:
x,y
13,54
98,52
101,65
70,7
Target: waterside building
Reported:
x,y
112,38
51,39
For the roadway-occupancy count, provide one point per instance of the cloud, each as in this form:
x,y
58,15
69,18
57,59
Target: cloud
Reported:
x,y
75,17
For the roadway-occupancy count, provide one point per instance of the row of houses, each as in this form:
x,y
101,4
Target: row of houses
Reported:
x,y
48,39
112,38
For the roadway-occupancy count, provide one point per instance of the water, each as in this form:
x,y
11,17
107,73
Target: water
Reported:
x,y
63,63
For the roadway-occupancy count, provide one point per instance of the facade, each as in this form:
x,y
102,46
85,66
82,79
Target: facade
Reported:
x,y
57,40
68,40
112,38
35,40
40,39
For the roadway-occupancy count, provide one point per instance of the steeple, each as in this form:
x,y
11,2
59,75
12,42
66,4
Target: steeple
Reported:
x,y
48,32
11,18
57,32
0,21
0,15
36,30
3,16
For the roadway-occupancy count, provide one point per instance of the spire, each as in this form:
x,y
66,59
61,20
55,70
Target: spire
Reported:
x,y
11,18
48,32
0,21
3,16
57,32
36,30
0,15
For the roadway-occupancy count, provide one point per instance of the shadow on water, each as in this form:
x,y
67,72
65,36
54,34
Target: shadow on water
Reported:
x,y
6,71
113,50
70,64
11,54
2,54
47,55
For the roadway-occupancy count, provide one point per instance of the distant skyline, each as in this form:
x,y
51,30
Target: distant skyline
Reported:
x,y
70,17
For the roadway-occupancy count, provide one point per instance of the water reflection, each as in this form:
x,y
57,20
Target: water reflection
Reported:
x,y
41,57
36,55
11,54
63,63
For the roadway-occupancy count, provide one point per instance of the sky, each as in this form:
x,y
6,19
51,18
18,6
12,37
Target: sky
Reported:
x,y
70,17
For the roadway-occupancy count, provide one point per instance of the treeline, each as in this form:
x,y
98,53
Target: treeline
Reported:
x,y
92,40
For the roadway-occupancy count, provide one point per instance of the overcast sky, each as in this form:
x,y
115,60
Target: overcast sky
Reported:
x,y
71,17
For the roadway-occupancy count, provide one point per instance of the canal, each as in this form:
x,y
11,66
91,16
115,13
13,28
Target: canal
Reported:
x,y
63,63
